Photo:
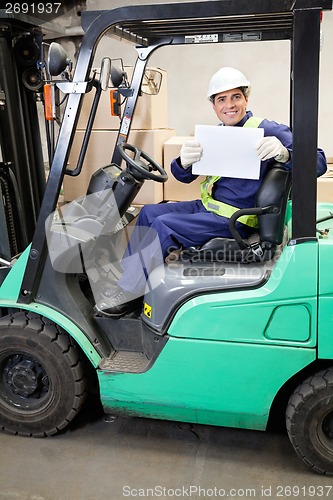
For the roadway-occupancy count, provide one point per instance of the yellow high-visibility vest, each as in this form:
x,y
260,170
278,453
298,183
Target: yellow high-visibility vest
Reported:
x,y
219,207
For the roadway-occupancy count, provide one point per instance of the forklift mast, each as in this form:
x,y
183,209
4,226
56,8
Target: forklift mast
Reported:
x,y
22,163
22,178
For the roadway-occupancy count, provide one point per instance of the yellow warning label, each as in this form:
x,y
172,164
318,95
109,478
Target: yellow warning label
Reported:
x,y
147,310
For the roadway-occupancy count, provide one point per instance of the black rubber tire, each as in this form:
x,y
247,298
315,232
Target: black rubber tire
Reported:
x,y
309,419
42,382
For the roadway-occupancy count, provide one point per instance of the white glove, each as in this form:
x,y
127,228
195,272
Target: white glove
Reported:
x,y
271,147
190,152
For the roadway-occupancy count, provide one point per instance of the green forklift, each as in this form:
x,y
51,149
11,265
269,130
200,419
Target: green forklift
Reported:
x,y
235,332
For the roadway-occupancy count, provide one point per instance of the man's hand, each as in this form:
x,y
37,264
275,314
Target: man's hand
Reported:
x,y
190,152
271,147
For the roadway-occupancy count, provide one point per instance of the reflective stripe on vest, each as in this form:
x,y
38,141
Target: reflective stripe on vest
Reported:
x,y
219,207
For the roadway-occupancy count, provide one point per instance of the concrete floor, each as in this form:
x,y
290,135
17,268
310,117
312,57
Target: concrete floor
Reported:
x,y
138,458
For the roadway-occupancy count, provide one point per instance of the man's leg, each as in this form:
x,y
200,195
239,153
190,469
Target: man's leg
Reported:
x,y
144,253
174,225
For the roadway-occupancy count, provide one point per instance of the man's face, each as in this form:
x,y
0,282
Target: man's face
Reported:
x,y
230,106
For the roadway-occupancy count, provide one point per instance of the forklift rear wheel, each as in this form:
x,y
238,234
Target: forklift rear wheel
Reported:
x,y
309,420
42,382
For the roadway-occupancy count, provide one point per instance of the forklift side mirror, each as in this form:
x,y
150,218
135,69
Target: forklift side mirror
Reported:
x,y
151,83
105,73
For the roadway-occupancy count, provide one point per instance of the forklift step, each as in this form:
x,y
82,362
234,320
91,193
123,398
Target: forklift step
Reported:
x,y
125,362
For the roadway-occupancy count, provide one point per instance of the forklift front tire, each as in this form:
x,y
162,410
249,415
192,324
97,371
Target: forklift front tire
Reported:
x,y
42,382
309,420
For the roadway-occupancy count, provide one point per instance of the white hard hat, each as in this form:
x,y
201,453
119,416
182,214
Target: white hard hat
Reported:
x,y
227,79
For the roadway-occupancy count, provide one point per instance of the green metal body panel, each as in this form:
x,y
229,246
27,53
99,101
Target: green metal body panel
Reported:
x,y
261,315
10,288
229,353
325,305
216,383
325,302
9,292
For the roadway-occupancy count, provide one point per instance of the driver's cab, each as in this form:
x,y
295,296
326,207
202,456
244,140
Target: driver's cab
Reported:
x,y
88,237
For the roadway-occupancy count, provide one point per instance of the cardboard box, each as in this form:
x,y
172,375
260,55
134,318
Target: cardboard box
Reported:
x,y
329,171
173,189
151,111
325,189
99,153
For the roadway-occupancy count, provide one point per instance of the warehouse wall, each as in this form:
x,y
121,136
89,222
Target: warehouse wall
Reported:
x,y
266,65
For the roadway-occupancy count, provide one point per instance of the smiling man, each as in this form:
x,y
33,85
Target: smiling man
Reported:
x,y
230,106
191,223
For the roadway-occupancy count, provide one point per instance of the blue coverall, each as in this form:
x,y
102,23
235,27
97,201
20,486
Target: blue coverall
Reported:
x,y
187,223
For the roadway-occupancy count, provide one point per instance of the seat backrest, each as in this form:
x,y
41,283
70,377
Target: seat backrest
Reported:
x,y
274,190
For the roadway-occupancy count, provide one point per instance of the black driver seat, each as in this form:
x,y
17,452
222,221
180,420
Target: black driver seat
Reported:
x,y
270,207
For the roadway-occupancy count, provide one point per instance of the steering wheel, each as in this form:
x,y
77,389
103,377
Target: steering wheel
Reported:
x,y
142,163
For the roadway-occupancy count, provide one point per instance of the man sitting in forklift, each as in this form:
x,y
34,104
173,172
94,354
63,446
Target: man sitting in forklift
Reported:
x,y
189,223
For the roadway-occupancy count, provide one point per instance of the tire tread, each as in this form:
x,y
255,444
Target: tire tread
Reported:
x,y
42,326
322,380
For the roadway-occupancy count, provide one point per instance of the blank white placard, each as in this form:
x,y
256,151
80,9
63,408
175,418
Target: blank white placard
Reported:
x,y
228,151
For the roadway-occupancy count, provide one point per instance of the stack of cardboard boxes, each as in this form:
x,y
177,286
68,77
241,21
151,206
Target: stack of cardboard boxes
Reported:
x,y
325,184
149,132
173,189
